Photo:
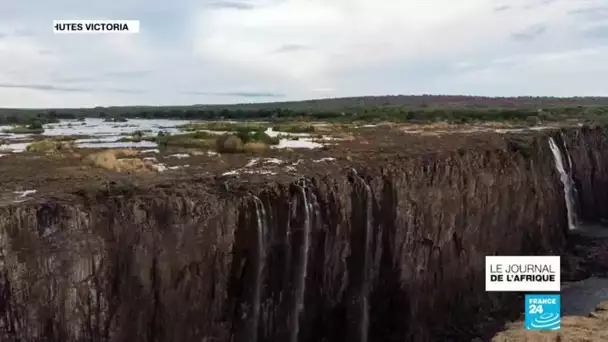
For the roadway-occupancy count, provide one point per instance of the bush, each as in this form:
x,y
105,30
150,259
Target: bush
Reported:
x,y
229,143
25,130
35,125
49,145
256,147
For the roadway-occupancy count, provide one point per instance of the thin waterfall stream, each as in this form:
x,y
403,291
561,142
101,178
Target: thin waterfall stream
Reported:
x,y
566,179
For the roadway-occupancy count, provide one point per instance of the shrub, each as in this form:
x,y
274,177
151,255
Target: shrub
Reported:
x,y
31,129
116,160
256,147
50,145
229,143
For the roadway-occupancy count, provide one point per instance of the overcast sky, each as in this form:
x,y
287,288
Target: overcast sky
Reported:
x,y
228,51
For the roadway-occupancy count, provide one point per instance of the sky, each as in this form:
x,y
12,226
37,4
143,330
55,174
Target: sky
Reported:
x,y
231,51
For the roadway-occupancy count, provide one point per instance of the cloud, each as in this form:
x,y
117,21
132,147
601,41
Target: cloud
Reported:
x,y
239,5
596,32
529,33
44,87
236,94
48,87
292,49
592,13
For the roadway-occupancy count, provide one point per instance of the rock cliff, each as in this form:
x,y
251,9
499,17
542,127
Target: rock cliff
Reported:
x,y
385,249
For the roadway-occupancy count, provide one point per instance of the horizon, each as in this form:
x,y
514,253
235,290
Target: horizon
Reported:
x,y
307,100
229,52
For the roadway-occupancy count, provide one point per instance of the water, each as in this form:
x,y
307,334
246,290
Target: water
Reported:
x,y
301,143
302,268
14,147
367,256
566,181
107,134
581,297
259,267
98,127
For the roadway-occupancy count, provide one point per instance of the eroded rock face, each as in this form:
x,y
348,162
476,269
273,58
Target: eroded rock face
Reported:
x,y
388,252
588,150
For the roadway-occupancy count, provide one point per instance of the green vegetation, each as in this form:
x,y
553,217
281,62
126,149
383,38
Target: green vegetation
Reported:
x,y
257,141
419,109
49,145
33,128
229,143
69,137
192,140
222,127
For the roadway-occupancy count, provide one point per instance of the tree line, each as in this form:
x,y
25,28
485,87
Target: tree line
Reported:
x,y
387,108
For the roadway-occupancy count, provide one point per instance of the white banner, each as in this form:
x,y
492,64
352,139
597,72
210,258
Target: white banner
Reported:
x,y
523,273
96,26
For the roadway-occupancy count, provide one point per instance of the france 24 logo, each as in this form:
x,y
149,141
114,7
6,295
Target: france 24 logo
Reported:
x,y
542,312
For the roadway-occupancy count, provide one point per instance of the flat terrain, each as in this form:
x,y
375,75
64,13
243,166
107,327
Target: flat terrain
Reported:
x,y
92,153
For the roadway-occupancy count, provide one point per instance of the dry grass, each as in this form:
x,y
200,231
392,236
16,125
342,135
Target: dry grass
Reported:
x,y
120,160
573,329
256,147
50,146
229,144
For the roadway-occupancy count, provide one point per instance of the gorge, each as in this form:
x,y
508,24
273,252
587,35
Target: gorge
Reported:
x,y
384,244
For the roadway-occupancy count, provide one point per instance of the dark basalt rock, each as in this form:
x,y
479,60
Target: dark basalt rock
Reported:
x,y
391,251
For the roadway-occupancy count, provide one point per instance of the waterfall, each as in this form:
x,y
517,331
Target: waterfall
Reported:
x,y
259,267
570,174
566,179
362,272
365,285
300,283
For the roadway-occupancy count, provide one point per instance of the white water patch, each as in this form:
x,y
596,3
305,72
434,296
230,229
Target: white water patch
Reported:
x,y
324,159
256,161
15,136
249,172
160,167
301,143
179,155
154,150
272,133
15,147
566,181
22,195
252,162
25,193
99,127
273,161
118,144
207,153
111,138
177,167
